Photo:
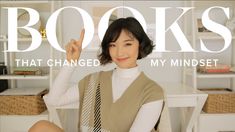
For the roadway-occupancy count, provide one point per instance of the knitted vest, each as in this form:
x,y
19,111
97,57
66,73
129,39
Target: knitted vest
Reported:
x,y
120,115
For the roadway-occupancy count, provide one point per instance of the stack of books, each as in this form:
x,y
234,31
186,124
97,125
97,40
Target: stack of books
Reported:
x,y
27,71
219,68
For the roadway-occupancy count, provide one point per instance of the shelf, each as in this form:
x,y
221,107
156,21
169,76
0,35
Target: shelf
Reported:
x,y
10,2
22,40
43,114
210,36
23,77
219,121
217,114
216,75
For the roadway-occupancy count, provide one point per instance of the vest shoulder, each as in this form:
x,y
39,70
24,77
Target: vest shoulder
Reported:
x,y
151,84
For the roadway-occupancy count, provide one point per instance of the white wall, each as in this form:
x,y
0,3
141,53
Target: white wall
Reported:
x,y
71,27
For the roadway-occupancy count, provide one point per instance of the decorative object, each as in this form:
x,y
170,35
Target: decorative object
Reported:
x,y
43,33
112,18
3,83
23,19
200,26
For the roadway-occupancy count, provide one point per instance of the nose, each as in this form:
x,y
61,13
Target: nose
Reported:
x,y
119,51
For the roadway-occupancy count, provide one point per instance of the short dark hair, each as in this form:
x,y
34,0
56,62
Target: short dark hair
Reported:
x,y
130,25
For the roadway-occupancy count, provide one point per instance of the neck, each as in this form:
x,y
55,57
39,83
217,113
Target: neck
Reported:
x,y
127,72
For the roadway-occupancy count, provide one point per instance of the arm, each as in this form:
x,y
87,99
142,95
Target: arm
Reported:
x,y
61,94
147,117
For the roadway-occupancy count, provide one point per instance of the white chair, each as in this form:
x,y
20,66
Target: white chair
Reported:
x,y
57,115
165,122
164,126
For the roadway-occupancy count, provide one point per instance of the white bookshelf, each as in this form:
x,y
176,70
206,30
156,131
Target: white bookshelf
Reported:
x,y
21,123
210,122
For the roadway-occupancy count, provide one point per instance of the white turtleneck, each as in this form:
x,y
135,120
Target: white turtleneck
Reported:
x,y
63,95
126,77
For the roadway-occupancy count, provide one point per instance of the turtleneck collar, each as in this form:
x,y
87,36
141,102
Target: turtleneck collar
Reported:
x,y
126,73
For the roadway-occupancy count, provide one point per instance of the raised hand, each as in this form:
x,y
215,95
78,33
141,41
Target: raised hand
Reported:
x,y
74,48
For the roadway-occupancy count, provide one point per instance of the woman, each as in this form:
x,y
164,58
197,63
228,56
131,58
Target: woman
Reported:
x,y
120,100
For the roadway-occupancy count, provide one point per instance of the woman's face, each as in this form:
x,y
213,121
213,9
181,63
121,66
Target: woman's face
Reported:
x,y
124,51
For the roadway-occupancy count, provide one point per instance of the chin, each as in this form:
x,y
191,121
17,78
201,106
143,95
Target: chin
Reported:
x,y
121,66
124,66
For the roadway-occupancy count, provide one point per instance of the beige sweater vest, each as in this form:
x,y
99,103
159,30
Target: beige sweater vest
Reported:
x,y
119,116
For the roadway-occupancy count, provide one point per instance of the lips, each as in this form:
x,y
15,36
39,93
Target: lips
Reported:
x,y
122,59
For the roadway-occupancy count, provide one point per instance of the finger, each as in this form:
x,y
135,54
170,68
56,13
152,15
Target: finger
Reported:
x,y
82,34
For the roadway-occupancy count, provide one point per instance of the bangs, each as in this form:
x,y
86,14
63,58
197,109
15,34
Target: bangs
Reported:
x,y
115,30
115,35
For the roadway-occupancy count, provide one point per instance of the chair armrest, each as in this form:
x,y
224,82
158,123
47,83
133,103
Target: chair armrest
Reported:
x,y
53,114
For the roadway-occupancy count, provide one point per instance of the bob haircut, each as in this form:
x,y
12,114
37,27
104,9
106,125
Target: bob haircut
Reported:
x,y
132,26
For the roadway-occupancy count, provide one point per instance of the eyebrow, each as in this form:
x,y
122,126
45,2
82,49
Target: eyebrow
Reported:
x,y
124,40
128,40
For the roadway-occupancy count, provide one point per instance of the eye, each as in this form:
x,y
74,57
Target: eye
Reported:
x,y
128,44
112,45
